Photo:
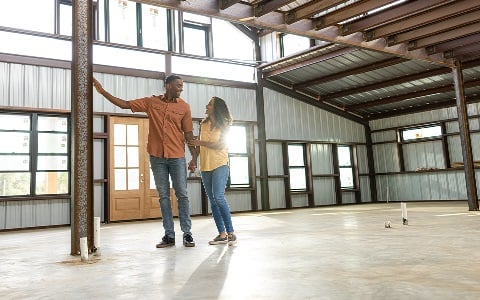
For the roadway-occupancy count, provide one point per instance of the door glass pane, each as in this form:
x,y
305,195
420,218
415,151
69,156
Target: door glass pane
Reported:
x,y
120,179
14,162
239,171
346,177
18,142
295,155
51,183
59,124
123,22
119,134
297,179
14,122
52,143
52,162
133,179
132,158
132,135
14,184
119,157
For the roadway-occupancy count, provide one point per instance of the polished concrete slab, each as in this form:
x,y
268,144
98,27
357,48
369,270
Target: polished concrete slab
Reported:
x,y
321,253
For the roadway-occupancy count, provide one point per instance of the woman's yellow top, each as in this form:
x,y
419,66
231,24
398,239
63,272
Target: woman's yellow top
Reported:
x,y
210,159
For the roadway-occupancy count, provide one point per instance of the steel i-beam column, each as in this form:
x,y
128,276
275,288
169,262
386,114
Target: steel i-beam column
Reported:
x,y
465,137
81,128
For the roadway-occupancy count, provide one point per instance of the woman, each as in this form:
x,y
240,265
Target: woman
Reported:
x,y
214,166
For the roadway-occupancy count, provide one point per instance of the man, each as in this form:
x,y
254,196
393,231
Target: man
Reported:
x,y
170,124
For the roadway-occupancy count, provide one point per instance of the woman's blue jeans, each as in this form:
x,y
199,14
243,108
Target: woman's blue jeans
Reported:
x,y
176,169
214,183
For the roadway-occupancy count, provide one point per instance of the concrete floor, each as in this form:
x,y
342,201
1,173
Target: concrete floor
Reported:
x,y
322,253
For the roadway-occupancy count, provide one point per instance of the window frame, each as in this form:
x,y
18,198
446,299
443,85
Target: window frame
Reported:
x,y
206,28
246,155
305,167
34,154
352,166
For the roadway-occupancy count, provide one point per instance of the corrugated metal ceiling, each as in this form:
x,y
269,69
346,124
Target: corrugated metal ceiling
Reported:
x,y
377,59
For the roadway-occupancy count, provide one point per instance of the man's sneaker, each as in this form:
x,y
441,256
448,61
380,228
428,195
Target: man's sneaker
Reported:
x,y
166,242
232,239
188,240
218,240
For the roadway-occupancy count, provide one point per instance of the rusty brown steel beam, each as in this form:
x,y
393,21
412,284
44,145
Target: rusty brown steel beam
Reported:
x,y
224,4
424,18
348,12
363,69
465,137
412,95
264,7
309,9
457,43
435,28
82,128
453,34
390,15
395,81
420,108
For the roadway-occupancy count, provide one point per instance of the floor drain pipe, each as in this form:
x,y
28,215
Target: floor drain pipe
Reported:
x,y
404,213
96,235
84,249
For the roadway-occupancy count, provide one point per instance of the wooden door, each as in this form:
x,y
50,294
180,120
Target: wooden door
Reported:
x,y
133,194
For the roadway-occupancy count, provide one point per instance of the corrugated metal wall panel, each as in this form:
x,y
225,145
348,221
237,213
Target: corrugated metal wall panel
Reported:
x,y
383,136
348,197
13,216
4,83
366,196
276,189
422,186
423,156
3,214
194,196
287,118
386,158
239,201
242,102
275,159
362,159
321,155
300,200
324,191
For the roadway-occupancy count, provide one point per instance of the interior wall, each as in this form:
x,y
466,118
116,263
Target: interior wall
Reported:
x,y
414,185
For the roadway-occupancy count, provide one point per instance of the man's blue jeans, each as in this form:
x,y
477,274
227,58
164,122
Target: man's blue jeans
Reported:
x,y
176,169
214,183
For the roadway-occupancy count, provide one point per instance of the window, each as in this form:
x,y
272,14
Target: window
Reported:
x,y
238,156
297,167
290,44
421,133
154,24
123,22
32,15
243,49
36,161
65,11
196,34
345,165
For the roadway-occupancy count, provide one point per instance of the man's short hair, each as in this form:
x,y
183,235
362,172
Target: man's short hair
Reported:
x,y
172,78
